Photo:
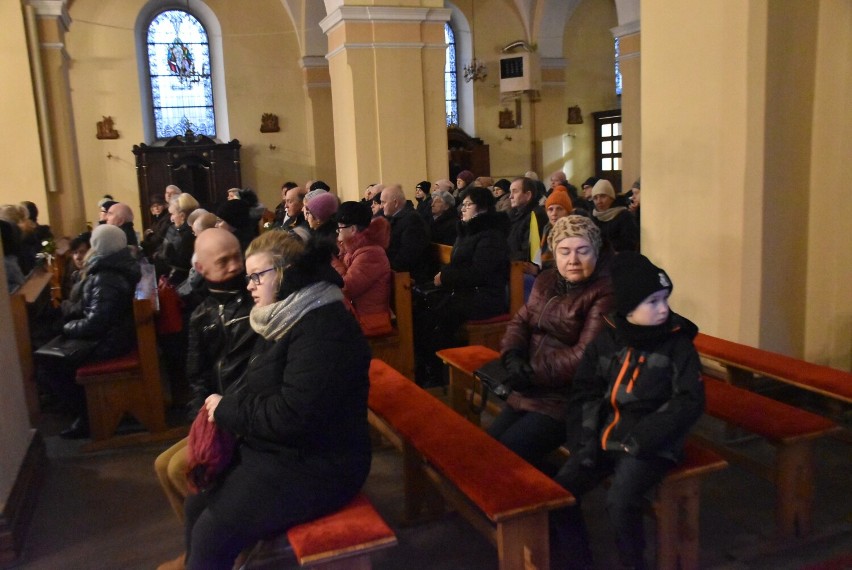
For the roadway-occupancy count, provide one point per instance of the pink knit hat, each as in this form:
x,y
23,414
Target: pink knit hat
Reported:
x,y
323,207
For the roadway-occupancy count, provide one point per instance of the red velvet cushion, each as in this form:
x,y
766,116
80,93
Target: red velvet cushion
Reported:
x,y
496,480
120,364
468,358
774,420
491,321
357,526
829,381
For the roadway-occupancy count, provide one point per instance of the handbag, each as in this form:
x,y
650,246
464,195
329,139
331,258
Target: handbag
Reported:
x,y
209,452
70,350
493,378
170,317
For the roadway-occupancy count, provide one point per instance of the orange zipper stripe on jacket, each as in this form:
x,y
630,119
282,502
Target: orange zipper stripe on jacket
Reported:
x,y
635,373
613,397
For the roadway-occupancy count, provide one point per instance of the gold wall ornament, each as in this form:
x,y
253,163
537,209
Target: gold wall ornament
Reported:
x,y
575,115
269,123
106,130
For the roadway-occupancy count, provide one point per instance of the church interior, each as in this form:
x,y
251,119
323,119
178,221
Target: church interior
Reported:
x,y
733,113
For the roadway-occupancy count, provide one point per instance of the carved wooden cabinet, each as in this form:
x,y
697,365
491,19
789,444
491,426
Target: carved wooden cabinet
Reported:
x,y
194,163
465,152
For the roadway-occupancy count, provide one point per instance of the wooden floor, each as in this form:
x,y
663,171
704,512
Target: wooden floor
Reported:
x,y
105,510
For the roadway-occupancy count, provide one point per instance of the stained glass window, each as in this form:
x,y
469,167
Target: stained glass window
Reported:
x,y
450,92
617,70
179,68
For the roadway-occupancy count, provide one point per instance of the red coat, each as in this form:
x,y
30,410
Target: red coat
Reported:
x,y
364,266
553,328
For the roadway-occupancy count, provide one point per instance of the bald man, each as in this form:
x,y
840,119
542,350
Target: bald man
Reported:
x,y
409,242
121,215
220,344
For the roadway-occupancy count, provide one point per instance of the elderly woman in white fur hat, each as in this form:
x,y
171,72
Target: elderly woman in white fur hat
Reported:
x,y
101,310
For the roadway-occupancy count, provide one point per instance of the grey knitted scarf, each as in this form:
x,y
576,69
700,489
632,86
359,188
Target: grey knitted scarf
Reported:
x,y
274,321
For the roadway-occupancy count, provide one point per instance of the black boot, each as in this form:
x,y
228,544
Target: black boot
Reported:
x,y
79,429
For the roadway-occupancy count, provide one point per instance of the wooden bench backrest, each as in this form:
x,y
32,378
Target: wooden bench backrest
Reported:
x,y
498,482
398,348
821,379
146,341
21,326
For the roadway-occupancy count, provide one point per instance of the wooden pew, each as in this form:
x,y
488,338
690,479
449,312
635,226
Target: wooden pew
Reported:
x,y
343,540
128,384
676,501
397,348
488,332
21,327
500,494
790,430
744,362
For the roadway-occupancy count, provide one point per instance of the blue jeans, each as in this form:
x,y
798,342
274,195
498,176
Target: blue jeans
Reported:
x,y
631,479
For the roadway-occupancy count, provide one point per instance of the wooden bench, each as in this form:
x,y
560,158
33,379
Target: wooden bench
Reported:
x,y
129,384
488,332
343,540
790,430
445,458
676,501
397,348
744,362
26,304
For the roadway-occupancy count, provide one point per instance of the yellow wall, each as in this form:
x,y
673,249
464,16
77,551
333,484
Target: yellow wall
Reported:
x,y
21,164
743,165
261,60
828,338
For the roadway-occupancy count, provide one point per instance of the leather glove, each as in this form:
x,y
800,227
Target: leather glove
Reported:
x,y
519,369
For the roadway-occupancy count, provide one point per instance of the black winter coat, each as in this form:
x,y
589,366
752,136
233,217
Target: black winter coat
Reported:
x,y
304,403
221,341
444,228
620,233
478,272
519,235
409,244
105,311
640,388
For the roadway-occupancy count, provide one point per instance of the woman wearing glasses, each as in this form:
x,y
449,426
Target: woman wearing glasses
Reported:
x,y
363,263
301,418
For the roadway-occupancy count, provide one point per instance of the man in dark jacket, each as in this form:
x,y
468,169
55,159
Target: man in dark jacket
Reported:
x,y
522,194
220,344
424,200
121,215
409,243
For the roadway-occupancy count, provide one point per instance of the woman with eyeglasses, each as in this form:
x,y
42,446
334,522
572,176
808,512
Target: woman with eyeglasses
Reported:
x,y
301,417
363,263
320,211
474,282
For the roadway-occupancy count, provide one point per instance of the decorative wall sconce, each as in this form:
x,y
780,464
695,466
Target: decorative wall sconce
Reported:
x,y
575,115
106,130
269,123
507,119
475,71
272,147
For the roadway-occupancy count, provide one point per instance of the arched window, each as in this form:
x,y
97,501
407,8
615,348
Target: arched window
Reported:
x,y
179,73
450,78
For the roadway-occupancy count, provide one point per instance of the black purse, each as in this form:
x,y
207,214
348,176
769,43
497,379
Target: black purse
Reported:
x,y
70,350
492,378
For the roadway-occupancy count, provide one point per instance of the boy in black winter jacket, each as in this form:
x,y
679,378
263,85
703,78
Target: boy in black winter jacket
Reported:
x,y
639,386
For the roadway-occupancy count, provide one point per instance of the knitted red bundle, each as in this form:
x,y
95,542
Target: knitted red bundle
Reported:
x,y
209,452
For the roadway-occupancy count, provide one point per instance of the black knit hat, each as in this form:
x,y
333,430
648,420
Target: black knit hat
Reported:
x,y
503,184
235,212
590,181
425,186
354,213
634,279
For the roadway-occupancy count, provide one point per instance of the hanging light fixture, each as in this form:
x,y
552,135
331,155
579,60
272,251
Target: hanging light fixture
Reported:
x,y
476,70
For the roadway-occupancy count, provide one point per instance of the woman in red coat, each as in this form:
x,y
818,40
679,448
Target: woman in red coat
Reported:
x,y
364,266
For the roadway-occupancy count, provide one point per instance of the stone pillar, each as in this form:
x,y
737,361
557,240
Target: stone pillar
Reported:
x,y
65,200
320,125
629,62
386,66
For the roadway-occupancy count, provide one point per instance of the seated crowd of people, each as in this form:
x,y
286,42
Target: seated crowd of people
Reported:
x,y
581,355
